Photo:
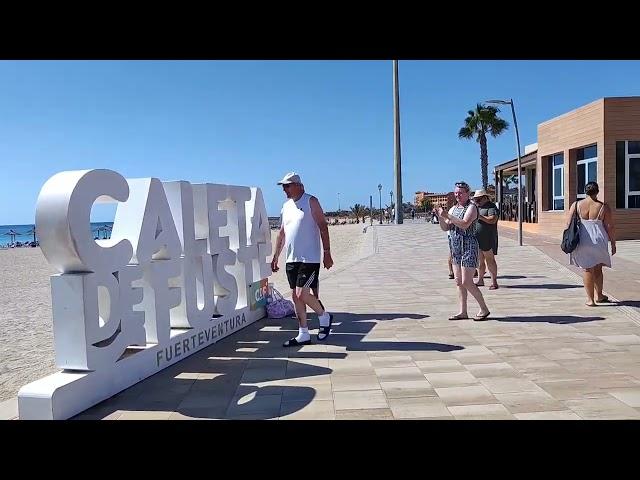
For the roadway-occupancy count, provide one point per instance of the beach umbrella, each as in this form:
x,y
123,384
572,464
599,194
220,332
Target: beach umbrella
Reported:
x,y
12,233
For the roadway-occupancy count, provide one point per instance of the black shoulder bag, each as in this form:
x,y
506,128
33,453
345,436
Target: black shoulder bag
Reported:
x,y
571,236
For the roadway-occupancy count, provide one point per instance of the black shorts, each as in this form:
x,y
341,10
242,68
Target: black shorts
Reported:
x,y
486,243
304,275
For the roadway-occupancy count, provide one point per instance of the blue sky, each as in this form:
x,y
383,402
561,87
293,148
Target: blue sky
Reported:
x,y
249,122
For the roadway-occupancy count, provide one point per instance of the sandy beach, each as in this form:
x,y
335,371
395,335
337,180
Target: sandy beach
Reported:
x,y
26,331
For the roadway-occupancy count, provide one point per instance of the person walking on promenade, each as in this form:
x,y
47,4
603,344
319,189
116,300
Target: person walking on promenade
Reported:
x,y
596,231
461,221
450,260
303,225
487,235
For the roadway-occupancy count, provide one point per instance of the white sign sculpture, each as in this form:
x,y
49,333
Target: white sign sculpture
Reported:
x,y
185,266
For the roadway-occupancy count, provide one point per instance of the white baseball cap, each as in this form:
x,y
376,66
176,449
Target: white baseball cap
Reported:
x,y
291,177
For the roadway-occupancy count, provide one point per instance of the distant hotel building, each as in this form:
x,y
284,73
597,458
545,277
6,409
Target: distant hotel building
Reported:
x,y
444,200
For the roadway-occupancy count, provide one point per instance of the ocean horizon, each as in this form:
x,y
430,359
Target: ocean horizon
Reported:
x,y
24,233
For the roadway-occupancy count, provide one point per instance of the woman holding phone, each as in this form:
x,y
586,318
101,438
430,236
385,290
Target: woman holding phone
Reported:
x,y
461,222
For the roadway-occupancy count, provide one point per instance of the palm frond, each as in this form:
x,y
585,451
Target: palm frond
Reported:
x,y
465,132
498,126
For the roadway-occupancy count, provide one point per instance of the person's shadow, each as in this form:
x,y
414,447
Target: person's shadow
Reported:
x,y
350,330
557,319
622,303
544,286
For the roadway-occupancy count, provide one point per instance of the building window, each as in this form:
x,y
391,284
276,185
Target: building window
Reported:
x,y
628,174
557,187
587,171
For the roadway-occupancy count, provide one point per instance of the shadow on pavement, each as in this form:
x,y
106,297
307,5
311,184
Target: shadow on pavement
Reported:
x,y
549,286
516,277
622,303
227,380
559,319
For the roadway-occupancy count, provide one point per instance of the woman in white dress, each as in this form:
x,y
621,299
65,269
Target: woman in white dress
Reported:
x,y
596,231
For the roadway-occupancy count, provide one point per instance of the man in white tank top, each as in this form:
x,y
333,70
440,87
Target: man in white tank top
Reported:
x,y
302,226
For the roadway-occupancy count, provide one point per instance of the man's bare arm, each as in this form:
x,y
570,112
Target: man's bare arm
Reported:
x,y
279,242
321,221
278,249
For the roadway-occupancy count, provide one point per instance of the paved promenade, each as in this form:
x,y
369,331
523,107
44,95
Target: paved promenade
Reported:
x,y
622,281
393,354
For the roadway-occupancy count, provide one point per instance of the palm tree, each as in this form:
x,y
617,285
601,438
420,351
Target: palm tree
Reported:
x,y
484,119
358,211
426,204
509,179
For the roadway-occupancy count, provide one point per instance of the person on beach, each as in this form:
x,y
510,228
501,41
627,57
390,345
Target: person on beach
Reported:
x,y
303,225
597,230
461,222
487,236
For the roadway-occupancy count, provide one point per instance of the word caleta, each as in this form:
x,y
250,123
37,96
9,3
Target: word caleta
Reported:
x,y
179,254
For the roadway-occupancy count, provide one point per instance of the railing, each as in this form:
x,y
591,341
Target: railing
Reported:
x,y
509,212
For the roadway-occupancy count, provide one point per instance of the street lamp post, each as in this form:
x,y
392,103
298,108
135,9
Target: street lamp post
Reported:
x,y
371,209
396,138
338,203
380,195
515,124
